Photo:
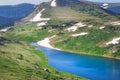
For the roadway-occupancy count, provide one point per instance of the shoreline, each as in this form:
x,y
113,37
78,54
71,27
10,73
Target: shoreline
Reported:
x,y
84,53
46,43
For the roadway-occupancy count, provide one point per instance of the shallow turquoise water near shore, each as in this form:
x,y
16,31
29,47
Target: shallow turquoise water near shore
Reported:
x,y
91,67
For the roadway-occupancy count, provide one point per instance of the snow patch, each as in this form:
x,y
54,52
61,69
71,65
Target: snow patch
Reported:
x,y
46,43
116,23
5,29
41,24
90,26
53,3
102,27
38,17
80,34
76,26
114,41
105,6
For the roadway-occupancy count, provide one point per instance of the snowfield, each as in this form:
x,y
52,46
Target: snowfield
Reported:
x,y
38,18
116,23
46,43
102,27
53,3
80,34
5,29
114,41
76,26
41,24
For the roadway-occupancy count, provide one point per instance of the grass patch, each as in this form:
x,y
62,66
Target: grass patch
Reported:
x,y
88,44
65,14
27,33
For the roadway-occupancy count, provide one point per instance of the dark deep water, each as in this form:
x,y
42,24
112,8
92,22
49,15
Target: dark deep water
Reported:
x,y
91,67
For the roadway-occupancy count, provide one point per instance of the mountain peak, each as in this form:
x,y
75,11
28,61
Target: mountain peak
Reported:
x,y
78,6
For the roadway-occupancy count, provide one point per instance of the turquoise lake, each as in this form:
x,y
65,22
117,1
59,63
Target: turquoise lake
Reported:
x,y
91,67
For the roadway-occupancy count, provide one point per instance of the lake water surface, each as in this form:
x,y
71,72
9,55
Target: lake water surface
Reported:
x,y
91,67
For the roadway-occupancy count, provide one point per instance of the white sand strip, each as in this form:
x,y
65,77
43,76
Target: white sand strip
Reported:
x,y
114,41
80,34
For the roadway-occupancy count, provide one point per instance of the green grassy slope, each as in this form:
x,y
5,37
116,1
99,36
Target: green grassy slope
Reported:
x,y
27,33
91,44
20,61
65,14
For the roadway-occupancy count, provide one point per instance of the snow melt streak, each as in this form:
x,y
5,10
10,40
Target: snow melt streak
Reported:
x,y
38,17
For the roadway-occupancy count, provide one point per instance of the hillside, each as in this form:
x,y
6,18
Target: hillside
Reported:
x,y
80,8
20,61
83,6
92,43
